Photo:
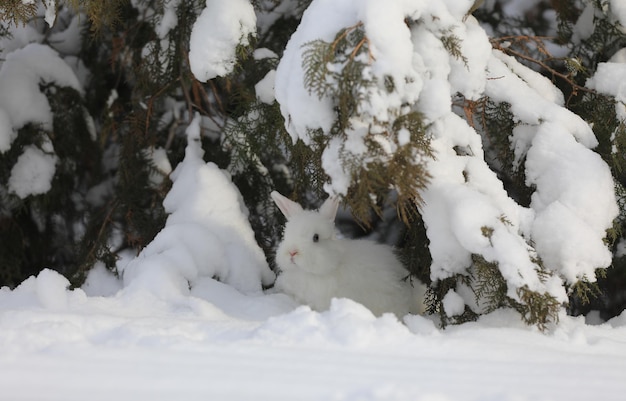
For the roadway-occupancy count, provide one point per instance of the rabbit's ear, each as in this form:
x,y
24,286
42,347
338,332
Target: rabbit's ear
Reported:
x,y
288,207
328,209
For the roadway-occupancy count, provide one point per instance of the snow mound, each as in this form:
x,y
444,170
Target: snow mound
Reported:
x,y
207,233
198,351
48,290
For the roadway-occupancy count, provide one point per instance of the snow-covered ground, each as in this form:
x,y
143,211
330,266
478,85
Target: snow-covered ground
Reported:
x,y
218,344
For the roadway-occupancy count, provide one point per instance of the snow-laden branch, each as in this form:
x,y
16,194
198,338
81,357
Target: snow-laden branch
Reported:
x,y
430,52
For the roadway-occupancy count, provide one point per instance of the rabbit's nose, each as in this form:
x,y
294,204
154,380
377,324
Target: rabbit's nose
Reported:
x,y
293,253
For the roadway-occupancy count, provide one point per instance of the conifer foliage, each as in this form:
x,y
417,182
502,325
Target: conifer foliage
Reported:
x,y
485,142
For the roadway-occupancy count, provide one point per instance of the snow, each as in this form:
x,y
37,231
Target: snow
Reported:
x,y
160,163
301,109
618,9
609,79
569,229
169,20
7,133
20,76
220,28
453,304
264,89
222,344
33,172
207,233
51,12
583,28
67,40
22,102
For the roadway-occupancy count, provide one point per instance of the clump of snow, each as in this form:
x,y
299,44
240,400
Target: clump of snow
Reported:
x,y
67,38
583,28
20,76
48,290
168,20
569,227
569,222
207,233
51,290
51,12
263,53
33,172
221,27
618,10
453,304
610,79
514,8
7,133
161,164
301,109
100,282
264,89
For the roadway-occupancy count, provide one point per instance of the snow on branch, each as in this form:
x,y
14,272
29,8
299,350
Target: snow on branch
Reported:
x,y
347,82
221,27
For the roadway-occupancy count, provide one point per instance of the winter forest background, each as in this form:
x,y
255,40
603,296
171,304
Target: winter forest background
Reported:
x,y
484,140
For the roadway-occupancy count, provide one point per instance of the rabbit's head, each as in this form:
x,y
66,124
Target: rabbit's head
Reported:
x,y
308,240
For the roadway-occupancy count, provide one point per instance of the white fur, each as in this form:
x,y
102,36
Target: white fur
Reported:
x,y
364,271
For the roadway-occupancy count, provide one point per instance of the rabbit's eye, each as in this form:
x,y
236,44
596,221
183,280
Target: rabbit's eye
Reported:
x,y
316,238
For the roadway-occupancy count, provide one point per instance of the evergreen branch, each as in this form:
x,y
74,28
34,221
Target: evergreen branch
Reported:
x,y
498,43
315,59
452,44
358,47
538,309
343,34
16,11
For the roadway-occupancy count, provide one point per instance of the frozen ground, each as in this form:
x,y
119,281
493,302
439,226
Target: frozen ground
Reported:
x,y
218,344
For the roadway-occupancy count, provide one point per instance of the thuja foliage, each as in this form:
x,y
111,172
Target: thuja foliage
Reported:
x,y
16,11
529,42
604,40
107,192
437,293
337,70
100,13
43,228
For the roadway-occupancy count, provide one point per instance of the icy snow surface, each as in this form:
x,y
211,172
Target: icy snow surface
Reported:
x,y
218,344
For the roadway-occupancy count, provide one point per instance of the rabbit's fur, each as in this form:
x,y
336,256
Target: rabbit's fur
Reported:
x,y
316,266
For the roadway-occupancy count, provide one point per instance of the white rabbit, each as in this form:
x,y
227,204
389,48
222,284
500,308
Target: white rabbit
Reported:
x,y
316,266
